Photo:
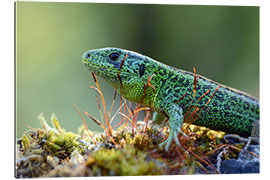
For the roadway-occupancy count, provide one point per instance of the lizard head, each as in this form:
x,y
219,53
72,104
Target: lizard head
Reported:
x,y
126,70
109,62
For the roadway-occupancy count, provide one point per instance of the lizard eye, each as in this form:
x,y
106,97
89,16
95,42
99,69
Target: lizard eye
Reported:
x,y
114,56
88,55
141,70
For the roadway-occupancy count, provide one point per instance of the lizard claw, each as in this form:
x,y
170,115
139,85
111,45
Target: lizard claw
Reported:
x,y
167,143
176,138
169,140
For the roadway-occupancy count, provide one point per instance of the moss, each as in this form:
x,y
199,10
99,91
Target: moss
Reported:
x,y
40,150
123,162
51,151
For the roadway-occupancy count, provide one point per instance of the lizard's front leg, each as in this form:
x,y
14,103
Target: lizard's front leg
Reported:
x,y
176,118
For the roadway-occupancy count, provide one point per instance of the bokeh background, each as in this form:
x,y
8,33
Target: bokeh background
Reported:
x,y
222,42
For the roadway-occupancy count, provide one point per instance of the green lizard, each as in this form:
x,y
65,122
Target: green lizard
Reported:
x,y
167,90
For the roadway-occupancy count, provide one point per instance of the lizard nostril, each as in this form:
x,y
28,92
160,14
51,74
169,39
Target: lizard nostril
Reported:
x,y
88,55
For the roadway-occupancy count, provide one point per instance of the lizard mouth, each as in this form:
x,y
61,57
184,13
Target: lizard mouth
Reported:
x,y
93,67
100,70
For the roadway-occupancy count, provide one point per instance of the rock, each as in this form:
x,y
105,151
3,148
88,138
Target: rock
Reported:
x,y
245,163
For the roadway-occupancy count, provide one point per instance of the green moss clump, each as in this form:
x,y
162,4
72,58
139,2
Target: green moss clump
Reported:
x,y
123,162
40,150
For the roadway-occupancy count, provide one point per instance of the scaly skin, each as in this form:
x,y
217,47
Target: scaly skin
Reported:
x,y
229,110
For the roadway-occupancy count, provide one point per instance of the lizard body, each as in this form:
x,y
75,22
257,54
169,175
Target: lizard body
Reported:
x,y
167,90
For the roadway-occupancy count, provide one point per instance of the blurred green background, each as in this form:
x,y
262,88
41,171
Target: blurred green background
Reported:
x,y
222,42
